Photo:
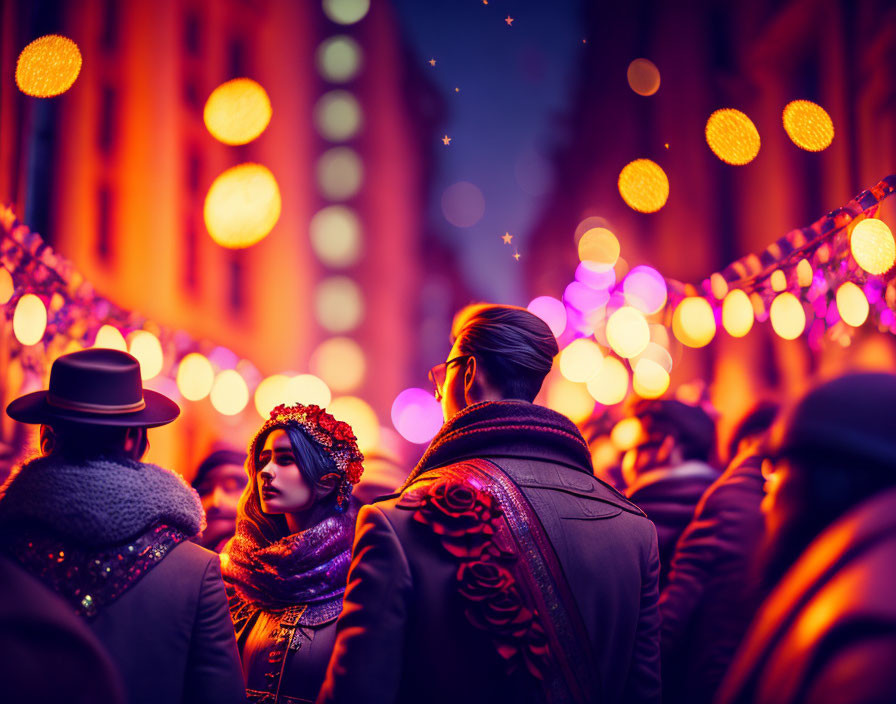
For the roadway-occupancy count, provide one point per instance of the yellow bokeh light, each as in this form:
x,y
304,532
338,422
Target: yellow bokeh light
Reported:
x,y
627,433
610,386
852,304
195,377
627,332
335,233
643,77
340,173
111,338
872,246
7,287
308,389
337,115
737,313
718,285
346,11
600,248
237,111
732,136
29,322
569,398
361,417
650,380
693,322
148,350
655,353
242,206
271,392
340,362
804,273
643,186
808,125
787,316
339,59
778,281
229,394
580,360
339,304
48,66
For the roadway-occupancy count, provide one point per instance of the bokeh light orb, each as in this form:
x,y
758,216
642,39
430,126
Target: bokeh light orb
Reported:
x,y
627,332
110,337
583,298
778,280
416,415
872,246
643,77
808,125
650,380
580,360
237,111
346,11
693,322
600,248
242,206
852,304
571,399
463,204
195,377
148,350
358,414
551,311
787,316
657,354
645,289
7,287
340,173
595,275
339,59
732,136
271,392
48,66
340,362
29,322
644,186
337,115
335,233
308,389
229,394
610,386
737,313
627,433
338,304
804,273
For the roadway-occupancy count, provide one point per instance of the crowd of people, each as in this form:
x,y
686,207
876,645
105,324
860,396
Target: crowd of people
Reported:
x,y
506,566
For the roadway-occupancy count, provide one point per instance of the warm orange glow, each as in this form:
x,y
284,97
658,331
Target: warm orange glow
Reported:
x,y
571,399
627,332
872,246
655,353
808,125
732,136
229,393
718,285
237,111
337,115
852,304
787,316
600,248
358,414
148,350
48,66
308,389
110,337
737,313
242,206
340,362
644,186
627,433
195,377
643,77
778,281
580,360
804,273
610,386
335,233
29,322
339,304
7,287
693,322
650,380
271,392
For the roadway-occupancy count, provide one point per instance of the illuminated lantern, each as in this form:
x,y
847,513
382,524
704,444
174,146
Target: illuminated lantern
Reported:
x,y
643,186
737,313
627,332
346,11
29,322
718,286
48,66
237,111
111,338
339,59
570,399
551,311
416,415
195,377
340,363
732,136
610,386
627,433
649,380
804,273
335,233
7,287
787,316
778,281
600,248
580,360
693,322
148,350
242,206
852,304
645,289
358,414
339,304
229,394
308,389
872,246
808,125
643,77
271,392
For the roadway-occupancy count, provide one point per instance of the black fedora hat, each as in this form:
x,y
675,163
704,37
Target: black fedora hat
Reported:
x,y
95,387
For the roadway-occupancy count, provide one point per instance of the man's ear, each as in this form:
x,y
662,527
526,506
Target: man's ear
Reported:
x,y
136,442
471,386
47,440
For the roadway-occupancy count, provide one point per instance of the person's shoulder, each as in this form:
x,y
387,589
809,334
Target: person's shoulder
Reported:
x,y
192,557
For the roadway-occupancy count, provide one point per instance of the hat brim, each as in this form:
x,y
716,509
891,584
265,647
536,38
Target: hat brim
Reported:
x,y
33,408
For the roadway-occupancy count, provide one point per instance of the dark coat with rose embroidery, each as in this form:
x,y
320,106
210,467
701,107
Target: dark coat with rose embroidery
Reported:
x,y
403,635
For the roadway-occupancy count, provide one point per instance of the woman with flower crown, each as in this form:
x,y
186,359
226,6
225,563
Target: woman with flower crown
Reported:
x,y
286,567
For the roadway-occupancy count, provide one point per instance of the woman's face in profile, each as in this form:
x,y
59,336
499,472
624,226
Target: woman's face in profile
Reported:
x,y
281,486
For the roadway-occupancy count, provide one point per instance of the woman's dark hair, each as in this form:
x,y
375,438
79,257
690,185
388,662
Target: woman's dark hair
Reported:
x,y
77,442
757,421
313,463
515,348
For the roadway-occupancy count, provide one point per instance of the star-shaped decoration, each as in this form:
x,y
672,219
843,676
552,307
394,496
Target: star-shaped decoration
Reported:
x,y
516,255
432,62
446,140
584,41
507,237
485,2
666,145
456,89
509,20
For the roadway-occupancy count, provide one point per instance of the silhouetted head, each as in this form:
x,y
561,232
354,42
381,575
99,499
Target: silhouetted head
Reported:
x,y
752,427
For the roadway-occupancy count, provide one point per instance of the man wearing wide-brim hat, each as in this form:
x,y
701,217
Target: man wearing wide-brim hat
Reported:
x,y
109,533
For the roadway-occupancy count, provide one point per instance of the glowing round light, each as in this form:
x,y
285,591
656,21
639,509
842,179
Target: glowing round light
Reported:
x,y
627,433
645,289
7,287
644,186
346,11
271,392
600,248
358,414
337,115
872,246
148,350
657,354
237,111
580,360
308,389
627,332
595,275
718,286
610,386
339,59
48,66
778,280
111,338
416,415
737,313
229,394
808,125
693,322
583,298
804,273
340,173
787,316
463,204
242,206
732,136
650,380
29,322
852,304
643,77
195,377
338,304
570,399
335,233
551,311
340,362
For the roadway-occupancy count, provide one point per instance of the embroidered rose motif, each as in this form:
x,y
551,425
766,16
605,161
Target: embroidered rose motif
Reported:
x,y
460,515
481,579
536,653
502,613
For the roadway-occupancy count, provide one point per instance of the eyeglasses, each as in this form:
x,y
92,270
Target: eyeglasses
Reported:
x,y
439,372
